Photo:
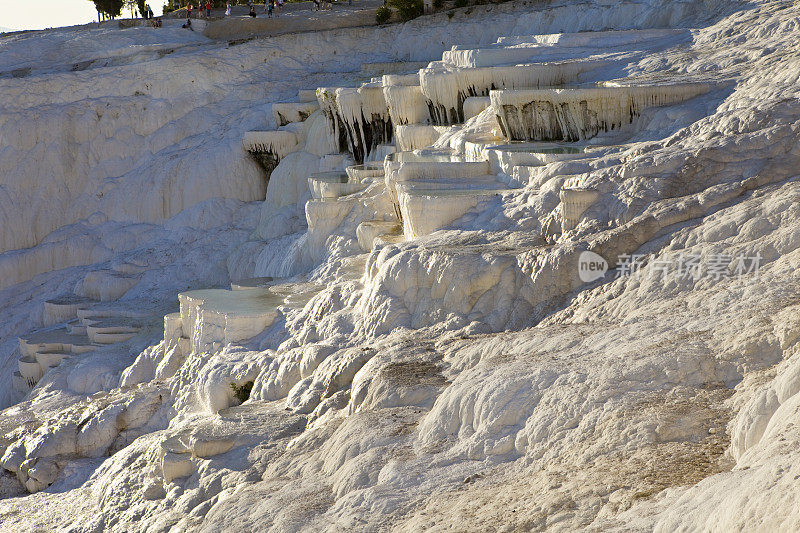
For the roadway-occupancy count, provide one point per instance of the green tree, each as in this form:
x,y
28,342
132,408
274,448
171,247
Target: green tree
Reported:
x,y
408,9
383,15
109,8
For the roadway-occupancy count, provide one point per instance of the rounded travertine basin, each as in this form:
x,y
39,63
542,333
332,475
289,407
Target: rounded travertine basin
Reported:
x,y
421,157
503,157
30,368
111,331
64,308
368,231
405,166
451,187
425,210
29,344
50,359
215,317
370,171
332,185
393,162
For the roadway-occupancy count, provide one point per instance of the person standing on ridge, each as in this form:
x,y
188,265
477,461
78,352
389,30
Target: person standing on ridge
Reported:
x,y
227,9
150,13
208,9
270,8
189,11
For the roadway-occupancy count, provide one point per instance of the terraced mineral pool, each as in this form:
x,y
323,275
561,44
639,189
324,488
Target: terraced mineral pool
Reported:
x,y
333,176
539,148
367,172
333,184
497,188
445,184
423,157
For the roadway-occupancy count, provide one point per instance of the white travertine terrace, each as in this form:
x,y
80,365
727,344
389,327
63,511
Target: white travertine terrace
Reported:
x,y
212,318
391,357
30,369
369,171
446,87
504,157
64,308
577,114
594,39
474,106
411,137
517,49
45,350
112,331
333,184
427,165
368,231
48,359
425,210
399,80
290,112
406,104
54,340
279,143
173,328
269,147
307,95
380,152
383,68
357,117
414,169
471,58
323,216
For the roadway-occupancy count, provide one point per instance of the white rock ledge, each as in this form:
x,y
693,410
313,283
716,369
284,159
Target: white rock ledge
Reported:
x,y
333,184
577,114
289,112
213,318
425,209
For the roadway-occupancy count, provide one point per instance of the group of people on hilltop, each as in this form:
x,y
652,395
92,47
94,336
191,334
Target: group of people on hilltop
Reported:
x,y
147,13
203,9
270,7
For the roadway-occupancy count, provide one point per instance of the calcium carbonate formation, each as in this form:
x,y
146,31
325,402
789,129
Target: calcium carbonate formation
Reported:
x,y
513,266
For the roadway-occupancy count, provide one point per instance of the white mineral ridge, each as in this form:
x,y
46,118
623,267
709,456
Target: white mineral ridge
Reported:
x,y
455,376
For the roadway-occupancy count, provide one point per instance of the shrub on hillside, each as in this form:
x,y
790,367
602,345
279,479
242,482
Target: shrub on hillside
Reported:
x,y
383,15
242,392
408,9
